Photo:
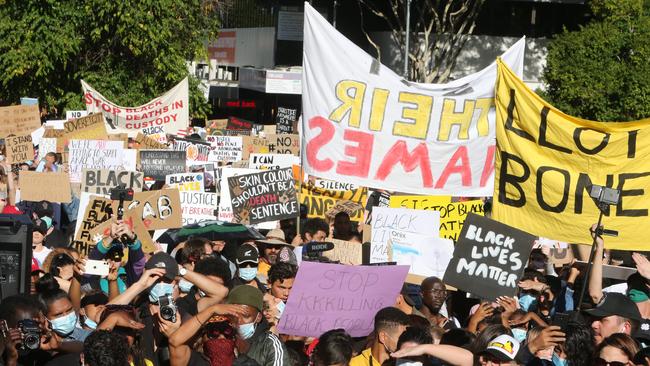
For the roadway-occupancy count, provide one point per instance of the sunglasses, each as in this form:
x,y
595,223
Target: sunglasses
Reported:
x,y
602,362
217,329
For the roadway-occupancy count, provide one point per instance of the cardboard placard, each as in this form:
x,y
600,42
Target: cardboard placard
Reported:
x,y
349,207
318,206
489,258
49,186
98,210
103,230
266,196
91,127
285,119
94,154
284,144
157,164
225,148
101,181
19,120
19,149
144,142
159,209
216,124
257,145
198,206
331,296
191,182
272,161
345,252
195,150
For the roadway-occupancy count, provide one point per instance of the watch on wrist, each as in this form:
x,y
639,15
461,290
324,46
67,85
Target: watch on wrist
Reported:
x,y
182,271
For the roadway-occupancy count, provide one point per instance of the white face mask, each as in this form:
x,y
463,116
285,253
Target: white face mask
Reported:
x,y
405,362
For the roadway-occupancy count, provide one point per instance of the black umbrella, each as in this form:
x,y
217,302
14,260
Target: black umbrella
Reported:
x,y
219,230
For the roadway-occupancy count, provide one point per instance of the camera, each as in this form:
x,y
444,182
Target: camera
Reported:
x,y
122,193
30,333
313,252
606,195
167,308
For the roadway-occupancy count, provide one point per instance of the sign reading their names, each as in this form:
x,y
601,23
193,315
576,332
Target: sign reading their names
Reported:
x,y
331,296
266,196
489,258
157,164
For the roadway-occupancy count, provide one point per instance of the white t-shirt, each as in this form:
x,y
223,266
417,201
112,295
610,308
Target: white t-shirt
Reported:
x,y
40,256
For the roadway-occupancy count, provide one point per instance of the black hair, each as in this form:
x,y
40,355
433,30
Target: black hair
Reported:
x,y
579,344
214,267
193,250
96,298
12,306
104,348
334,347
314,225
390,317
343,228
458,337
282,271
537,260
60,260
48,292
415,335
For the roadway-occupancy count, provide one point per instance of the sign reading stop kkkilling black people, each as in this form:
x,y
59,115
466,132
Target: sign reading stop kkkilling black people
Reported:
x,y
489,258
266,196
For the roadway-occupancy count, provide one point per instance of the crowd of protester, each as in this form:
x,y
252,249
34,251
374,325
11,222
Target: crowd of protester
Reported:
x,y
215,302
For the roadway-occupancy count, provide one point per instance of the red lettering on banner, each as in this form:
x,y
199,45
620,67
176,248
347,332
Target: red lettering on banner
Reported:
x,y
488,168
463,169
399,154
362,154
315,144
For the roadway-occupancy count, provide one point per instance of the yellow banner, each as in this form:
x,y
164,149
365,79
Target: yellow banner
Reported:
x,y
546,162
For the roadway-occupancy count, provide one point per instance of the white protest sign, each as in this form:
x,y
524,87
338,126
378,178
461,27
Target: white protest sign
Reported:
x,y
198,206
331,185
427,256
272,161
225,205
192,182
225,148
94,154
398,225
69,115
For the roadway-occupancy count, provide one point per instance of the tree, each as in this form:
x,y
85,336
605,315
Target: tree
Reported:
x,y
602,71
438,32
130,50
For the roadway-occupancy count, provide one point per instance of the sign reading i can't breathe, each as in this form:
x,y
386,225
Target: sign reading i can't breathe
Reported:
x,y
489,258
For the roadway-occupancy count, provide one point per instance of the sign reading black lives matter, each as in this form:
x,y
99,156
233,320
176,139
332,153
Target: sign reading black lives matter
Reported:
x,y
489,258
157,164
266,196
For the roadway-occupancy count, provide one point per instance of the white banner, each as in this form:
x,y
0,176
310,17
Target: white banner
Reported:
x,y
163,115
377,130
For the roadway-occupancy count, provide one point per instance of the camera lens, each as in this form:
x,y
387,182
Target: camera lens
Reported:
x,y
166,313
31,341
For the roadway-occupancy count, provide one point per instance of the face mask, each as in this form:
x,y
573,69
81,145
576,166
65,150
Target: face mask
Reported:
x,y
90,323
519,334
280,306
246,330
220,351
403,362
64,325
185,285
247,274
160,289
557,361
526,301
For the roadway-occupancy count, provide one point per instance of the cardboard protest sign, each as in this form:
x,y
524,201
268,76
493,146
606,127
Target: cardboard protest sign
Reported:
x,y
225,206
489,258
319,205
285,119
146,142
548,161
160,209
103,230
157,118
349,207
94,154
195,150
198,206
50,186
272,161
345,252
225,148
101,181
19,120
266,196
559,253
97,211
354,194
254,145
91,127
334,185
284,144
331,296
399,225
216,124
19,149
157,164
193,182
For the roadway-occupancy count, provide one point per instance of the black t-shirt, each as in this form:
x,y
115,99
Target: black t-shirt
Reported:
x,y
57,239
68,359
189,303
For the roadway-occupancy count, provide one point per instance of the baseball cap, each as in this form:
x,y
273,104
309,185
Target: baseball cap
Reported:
x,y
274,237
44,208
35,266
163,260
407,297
503,348
615,304
247,253
637,289
246,295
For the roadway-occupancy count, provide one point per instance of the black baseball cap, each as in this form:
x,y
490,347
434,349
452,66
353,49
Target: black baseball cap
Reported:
x,y
248,253
615,304
405,293
44,208
163,260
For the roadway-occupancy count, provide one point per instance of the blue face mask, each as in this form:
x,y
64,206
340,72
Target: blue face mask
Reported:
x,y
526,301
519,334
185,285
247,274
246,330
64,325
160,289
90,323
557,361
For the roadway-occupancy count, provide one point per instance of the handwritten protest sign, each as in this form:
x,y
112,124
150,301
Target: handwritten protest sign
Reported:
x,y
272,161
399,225
225,148
349,207
266,196
186,181
284,144
198,206
254,145
345,252
19,149
157,164
334,185
332,296
50,186
489,258
94,154
97,211
146,142
101,181
103,231
195,150
46,145
285,119
91,127
160,209
318,206
225,206
356,195
19,120
426,256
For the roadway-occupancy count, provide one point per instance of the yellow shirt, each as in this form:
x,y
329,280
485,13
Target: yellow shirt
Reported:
x,y
263,271
364,359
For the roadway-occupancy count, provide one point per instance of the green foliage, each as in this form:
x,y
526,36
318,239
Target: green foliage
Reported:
x,y
129,50
602,71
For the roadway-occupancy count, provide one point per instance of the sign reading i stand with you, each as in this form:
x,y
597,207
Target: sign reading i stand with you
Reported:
x,y
489,258
266,196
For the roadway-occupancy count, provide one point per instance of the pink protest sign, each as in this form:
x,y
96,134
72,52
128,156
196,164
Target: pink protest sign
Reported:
x,y
330,296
